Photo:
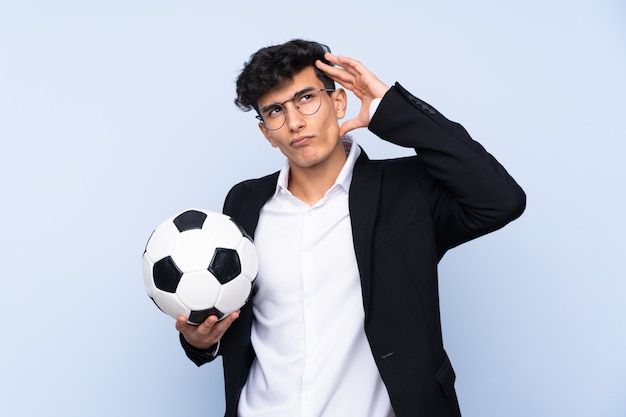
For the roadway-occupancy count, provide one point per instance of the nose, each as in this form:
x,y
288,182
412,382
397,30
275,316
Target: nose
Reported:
x,y
293,118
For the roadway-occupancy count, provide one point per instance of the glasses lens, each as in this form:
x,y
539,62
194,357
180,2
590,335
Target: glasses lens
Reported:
x,y
307,102
273,117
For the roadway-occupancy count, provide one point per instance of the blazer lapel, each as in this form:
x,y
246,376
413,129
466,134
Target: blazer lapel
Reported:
x,y
364,202
253,198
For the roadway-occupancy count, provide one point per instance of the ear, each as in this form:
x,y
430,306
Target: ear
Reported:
x,y
340,101
266,133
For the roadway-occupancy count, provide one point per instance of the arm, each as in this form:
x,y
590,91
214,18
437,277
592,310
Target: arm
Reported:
x,y
469,191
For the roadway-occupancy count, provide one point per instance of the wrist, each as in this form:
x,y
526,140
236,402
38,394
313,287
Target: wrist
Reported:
x,y
211,351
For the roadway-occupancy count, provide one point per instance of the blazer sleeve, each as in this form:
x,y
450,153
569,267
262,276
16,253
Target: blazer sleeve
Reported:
x,y
468,191
198,356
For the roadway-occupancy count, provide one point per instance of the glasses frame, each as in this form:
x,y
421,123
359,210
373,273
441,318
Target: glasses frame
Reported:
x,y
293,100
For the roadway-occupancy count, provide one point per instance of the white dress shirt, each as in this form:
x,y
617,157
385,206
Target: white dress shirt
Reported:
x,y
312,355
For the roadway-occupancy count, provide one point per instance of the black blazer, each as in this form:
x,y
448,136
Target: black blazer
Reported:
x,y
405,213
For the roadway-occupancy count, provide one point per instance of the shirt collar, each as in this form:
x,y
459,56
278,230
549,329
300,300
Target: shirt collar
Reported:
x,y
344,178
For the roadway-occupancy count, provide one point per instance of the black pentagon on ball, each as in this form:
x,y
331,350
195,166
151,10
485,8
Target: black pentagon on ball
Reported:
x,y
166,275
225,265
189,220
198,317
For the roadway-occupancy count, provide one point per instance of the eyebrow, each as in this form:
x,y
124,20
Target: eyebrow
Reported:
x,y
297,93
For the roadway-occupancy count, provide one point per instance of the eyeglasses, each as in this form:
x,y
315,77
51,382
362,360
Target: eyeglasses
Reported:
x,y
307,102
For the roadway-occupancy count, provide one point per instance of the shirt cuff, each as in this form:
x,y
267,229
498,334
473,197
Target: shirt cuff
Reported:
x,y
374,106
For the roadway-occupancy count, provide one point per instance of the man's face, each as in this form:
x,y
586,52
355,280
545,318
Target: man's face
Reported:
x,y
306,140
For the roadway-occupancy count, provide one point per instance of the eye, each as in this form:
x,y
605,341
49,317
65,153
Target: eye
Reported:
x,y
306,97
272,111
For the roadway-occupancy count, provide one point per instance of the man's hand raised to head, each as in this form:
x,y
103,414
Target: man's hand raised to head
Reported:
x,y
354,76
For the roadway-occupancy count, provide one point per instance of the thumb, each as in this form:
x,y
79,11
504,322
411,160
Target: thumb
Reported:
x,y
348,126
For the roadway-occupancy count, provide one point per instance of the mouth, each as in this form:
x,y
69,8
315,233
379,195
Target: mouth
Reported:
x,y
300,141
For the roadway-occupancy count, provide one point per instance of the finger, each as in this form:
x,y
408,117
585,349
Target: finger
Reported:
x,y
206,326
330,57
351,65
227,321
341,61
341,75
218,328
345,82
181,323
332,72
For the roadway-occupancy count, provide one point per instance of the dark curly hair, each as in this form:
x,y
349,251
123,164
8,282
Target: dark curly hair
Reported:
x,y
274,66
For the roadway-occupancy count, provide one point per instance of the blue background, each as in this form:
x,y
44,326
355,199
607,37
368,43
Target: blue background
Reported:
x,y
115,115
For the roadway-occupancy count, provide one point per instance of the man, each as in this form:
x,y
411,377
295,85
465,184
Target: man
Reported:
x,y
345,315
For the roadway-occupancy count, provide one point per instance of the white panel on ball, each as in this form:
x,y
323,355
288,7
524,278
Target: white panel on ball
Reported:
x,y
228,232
230,299
160,243
147,274
193,250
250,267
170,304
198,290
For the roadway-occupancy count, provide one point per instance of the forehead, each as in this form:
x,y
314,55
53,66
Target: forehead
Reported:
x,y
303,79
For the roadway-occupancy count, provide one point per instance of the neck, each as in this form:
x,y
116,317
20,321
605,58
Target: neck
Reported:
x,y
310,184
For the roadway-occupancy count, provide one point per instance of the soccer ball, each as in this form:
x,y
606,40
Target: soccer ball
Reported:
x,y
199,263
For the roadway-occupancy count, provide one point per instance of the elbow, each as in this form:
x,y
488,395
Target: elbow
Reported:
x,y
517,203
509,205
512,205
